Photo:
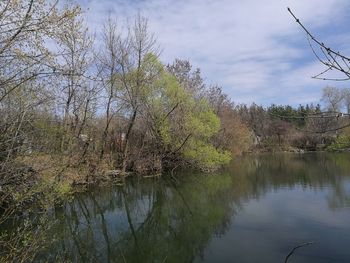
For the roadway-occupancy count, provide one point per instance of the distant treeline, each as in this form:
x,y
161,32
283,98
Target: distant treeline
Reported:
x,y
308,127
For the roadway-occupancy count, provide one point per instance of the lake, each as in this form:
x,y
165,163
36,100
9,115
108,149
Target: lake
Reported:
x,y
256,210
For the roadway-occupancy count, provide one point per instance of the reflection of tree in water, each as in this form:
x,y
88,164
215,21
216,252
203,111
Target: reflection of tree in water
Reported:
x,y
314,171
340,197
159,221
173,221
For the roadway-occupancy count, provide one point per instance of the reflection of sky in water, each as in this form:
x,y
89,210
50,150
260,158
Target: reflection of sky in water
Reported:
x,y
256,211
266,228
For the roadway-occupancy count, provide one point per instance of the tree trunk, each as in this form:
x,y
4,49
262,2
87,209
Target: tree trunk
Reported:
x,y
126,141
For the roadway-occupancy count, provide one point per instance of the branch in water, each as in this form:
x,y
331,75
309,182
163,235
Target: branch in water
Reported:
x,y
295,248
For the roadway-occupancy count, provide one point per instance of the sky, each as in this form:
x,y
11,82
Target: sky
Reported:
x,y
252,48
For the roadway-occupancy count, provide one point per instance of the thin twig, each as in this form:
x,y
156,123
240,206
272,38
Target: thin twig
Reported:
x,y
295,248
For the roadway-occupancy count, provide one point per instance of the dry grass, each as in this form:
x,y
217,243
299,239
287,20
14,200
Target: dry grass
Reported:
x,y
65,170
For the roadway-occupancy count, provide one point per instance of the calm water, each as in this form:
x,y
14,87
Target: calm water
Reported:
x,y
256,210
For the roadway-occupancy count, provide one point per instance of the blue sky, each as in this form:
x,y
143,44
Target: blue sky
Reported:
x,y
252,48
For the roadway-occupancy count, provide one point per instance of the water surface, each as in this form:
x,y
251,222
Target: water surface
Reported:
x,y
256,210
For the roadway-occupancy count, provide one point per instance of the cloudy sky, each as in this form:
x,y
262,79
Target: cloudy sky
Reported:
x,y
252,48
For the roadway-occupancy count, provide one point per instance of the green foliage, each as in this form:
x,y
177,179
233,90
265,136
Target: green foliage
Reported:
x,y
184,124
341,143
296,116
205,155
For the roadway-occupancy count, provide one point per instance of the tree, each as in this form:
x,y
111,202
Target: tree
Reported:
x,y
346,100
332,97
190,79
134,75
75,92
234,135
25,68
182,124
108,68
24,25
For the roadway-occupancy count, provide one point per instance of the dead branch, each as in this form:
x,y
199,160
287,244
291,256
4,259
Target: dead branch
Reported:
x,y
333,60
295,248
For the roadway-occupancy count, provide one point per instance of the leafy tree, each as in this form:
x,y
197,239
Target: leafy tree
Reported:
x,y
183,124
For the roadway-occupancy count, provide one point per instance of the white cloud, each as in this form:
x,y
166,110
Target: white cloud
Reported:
x,y
249,47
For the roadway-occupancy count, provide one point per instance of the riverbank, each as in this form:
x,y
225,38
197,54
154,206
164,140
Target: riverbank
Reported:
x,y
192,217
56,178
65,175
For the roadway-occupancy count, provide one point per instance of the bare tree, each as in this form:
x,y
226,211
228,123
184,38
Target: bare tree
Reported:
x,y
346,99
73,60
24,27
333,98
190,79
137,51
331,59
108,68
